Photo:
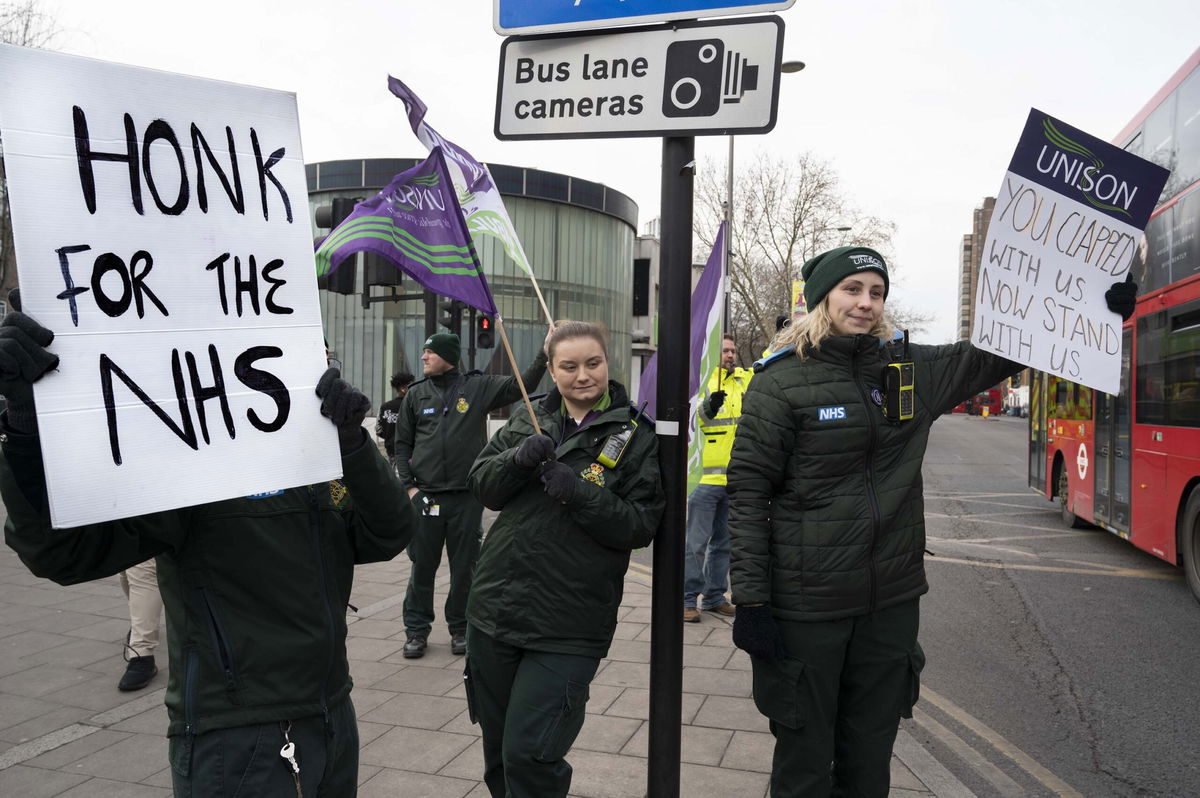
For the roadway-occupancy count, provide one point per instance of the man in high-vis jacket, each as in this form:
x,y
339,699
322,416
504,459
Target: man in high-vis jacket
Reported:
x,y
706,557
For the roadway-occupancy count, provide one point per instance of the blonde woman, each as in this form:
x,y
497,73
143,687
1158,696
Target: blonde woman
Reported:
x,y
827,523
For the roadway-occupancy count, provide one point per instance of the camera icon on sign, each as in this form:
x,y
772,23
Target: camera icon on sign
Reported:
x,y
701,75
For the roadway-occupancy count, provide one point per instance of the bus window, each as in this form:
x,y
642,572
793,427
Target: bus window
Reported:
x,y
1168,354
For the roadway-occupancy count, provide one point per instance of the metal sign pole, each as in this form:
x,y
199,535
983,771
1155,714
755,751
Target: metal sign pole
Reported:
x,y
666,614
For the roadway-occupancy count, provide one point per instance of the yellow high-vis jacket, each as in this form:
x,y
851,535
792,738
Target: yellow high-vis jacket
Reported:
x,y
719,430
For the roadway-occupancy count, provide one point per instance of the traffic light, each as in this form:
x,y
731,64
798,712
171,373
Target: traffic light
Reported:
x,y
450,314
341,279
378,270
485,336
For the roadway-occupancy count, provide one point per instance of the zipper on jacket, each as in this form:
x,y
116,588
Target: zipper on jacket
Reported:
x,y
315,524
219,642
189,694
872,499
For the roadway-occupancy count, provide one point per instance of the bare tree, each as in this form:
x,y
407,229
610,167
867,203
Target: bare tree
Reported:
x,y
26,24
785,212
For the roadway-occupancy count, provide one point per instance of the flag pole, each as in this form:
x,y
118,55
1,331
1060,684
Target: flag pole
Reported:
x,y
541,300
516,371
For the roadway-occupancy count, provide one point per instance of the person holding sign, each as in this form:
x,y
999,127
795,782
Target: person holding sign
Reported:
x,y
827,524
441,428
255,591
574,501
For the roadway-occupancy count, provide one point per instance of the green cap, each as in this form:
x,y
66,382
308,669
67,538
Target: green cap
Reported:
x,y
444,345
828,269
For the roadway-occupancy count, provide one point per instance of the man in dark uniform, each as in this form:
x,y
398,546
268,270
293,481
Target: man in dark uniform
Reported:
x,y
389,411
254,587
441,429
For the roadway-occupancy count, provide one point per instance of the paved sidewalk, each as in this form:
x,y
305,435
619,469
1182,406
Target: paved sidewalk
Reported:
x,y
65,729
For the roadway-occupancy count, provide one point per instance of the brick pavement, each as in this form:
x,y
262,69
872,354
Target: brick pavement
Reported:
x,y
65,730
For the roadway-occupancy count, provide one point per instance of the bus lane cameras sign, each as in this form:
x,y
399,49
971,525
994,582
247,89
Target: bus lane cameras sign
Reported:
x,y
687,79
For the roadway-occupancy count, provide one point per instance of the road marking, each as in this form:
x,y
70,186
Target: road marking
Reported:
x,y
1040,506
979,519
932,773
1091,569
1013,537
976,495
1021,759
970,756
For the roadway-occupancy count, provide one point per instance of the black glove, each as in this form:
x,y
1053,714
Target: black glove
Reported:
x,y
559,481
345,406
715,400
1122,297
754,632
533,451
23,361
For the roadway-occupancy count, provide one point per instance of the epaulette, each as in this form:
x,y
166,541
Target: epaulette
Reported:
x,y
415,383
759,365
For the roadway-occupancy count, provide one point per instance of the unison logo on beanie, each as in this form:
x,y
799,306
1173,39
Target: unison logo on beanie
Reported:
x,y
863,261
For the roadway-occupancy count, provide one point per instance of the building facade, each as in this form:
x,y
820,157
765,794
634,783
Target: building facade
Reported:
x,y
969,262
577,235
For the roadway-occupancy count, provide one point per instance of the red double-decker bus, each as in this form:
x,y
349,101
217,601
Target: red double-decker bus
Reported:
x,y
990,400
1131,463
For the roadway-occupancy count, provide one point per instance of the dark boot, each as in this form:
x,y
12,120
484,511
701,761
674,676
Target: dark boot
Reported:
x,y
414,647
138,673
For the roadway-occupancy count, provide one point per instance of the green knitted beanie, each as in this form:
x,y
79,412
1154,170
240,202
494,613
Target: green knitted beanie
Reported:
x,y
828,269
444,345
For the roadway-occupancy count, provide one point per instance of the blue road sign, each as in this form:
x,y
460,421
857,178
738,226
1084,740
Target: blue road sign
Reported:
x,y
547,16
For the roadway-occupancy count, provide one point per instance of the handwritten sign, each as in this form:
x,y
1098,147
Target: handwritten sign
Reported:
x,y
162,232
1067,222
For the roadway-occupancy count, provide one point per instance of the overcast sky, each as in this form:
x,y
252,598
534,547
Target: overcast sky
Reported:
x,y
918,105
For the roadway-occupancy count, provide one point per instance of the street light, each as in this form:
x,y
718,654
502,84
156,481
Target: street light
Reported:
x,y
787,67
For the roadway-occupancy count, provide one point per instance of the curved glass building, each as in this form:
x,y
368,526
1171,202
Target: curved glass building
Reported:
x,y
578,236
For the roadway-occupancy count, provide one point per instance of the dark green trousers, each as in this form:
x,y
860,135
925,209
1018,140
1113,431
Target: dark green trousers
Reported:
x,y
245,760
530,707
836,701
457,527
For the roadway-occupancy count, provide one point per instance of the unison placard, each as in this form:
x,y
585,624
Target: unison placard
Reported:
x,y
1066,225
162,232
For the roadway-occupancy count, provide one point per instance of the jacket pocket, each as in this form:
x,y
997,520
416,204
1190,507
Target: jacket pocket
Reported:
x,y
469,689
916,664
778,690
220,641
563,727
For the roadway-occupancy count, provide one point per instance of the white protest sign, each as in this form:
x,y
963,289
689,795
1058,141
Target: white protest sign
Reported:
x,y
162,232
1066,225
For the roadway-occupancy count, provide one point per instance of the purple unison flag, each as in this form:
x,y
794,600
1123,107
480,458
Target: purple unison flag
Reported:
x,y
481,203
706,298
417,224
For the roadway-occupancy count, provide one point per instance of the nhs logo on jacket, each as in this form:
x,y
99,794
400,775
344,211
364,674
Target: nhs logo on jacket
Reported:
x,y
831,413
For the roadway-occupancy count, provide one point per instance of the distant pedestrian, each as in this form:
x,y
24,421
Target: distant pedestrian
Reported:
x,y
389,413
574,501
827,524
706,553
140,585
441,428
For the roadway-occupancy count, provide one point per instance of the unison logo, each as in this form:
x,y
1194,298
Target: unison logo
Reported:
x,y
422,192
1067,160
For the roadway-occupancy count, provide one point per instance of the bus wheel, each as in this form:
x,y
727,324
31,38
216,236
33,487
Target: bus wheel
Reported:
x,y
1069,518
1190,543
